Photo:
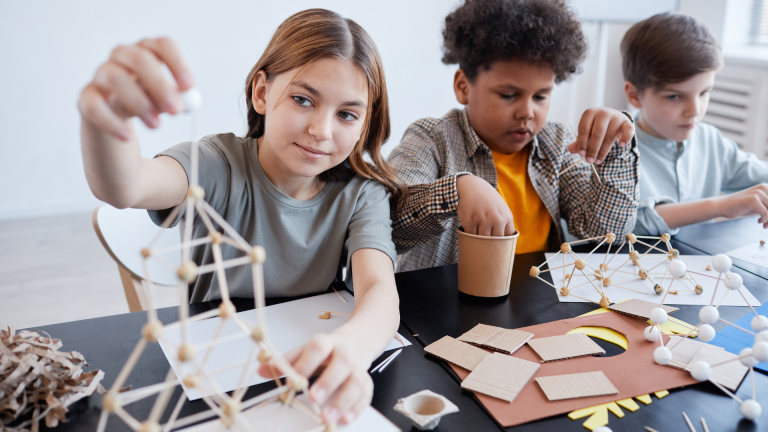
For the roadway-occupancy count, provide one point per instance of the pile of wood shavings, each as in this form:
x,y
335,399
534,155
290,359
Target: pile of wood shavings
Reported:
x,y
36,378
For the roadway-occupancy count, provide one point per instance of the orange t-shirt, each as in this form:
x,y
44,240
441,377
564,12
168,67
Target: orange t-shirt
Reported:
x,y
531,217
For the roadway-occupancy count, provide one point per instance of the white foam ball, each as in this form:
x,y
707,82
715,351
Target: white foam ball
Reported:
x,y
750,409
760,351
700,370
662,355
706,332
721,263
193,100
762,336
747,359
652,333
603,429
709,314
658,316
677,268
759,323
733,281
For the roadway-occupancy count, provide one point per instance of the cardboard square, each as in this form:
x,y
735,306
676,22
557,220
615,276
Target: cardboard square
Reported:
x,y
496,338
572,386
456,352
728,375
564,347
500,376
684,350
639,308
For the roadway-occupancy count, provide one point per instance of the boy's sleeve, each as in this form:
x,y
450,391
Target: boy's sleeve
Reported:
x,y
594,208
649,221
432,200
741,169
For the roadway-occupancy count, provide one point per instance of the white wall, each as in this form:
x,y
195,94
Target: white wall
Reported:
x,y
50,50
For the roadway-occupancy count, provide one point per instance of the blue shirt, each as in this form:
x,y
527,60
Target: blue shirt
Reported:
x,y
707,165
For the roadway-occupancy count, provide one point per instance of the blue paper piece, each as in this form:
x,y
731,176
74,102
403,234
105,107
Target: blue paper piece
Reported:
x,y
735,340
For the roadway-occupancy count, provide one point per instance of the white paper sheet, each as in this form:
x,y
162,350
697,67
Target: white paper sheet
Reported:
x,y
627,277
752,253
267,418
290,325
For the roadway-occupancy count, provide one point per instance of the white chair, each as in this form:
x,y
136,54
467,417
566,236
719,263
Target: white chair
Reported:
x,y
124,233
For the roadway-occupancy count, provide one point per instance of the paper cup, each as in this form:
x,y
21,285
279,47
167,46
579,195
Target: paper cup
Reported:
x,y
485,264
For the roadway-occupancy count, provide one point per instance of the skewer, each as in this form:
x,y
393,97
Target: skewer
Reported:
x,y
688,422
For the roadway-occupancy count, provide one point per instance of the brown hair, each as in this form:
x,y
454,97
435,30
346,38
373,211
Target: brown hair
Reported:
x,y
667,49
318,33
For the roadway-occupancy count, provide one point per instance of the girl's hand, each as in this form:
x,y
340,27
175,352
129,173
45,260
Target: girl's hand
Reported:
x,y
131,84
598,129
344,388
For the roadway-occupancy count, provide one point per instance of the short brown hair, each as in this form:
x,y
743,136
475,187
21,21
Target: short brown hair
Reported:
x,y
314,34
481,32
666,49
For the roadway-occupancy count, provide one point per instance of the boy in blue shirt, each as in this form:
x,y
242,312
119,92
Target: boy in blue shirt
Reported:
x,y
690,172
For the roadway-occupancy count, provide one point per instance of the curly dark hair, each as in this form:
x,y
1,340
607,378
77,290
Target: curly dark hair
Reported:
x,y
480,32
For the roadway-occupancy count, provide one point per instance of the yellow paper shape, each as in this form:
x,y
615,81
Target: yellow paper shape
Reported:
x,y
595,312
628,404
646,399
598,414
605,334
661,394
599,418
672,325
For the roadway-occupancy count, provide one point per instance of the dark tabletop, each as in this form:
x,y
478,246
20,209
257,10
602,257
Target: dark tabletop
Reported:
x,y
431,307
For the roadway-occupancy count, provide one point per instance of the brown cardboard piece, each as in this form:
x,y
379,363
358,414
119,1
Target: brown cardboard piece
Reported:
x,y
586,384
639,308
684,350
496,338
485,264
501,376
728,375
634,371
566,346
456,352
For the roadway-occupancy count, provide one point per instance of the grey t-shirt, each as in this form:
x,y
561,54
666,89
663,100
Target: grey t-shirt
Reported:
x,y
305,241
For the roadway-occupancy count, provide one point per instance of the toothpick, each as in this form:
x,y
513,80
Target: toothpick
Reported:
x,y
340,296
573,165
339,313
384,366
704,425
385,361
688,421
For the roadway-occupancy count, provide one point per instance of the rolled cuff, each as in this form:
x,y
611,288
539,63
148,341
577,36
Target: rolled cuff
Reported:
x,y
649,221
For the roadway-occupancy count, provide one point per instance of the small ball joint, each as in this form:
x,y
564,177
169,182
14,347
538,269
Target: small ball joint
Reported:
x,y
564,291
631,238
216,237
152,331
673,254
665,237
298,383
604,302
610,238
565,248
634,255
607,282
187,271
259,334
580,264
643,275
699,289
658,289
110,402
186,353
149,426
258,255
192,381
227,310
146,252
264,356
196,192
534,271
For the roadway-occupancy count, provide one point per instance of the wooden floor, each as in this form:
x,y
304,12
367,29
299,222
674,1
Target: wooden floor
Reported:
x,y
55,270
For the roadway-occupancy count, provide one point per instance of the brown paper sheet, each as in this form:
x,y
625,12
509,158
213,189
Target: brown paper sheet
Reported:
x,y
496,338
564,347
684,350
578,385
501,376
634,372
456,352
639,308
729,375
38,382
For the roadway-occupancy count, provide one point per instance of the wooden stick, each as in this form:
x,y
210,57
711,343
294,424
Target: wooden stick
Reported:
x,y
247,365
629,289
747,302
166,223
752,376
551,258
234,262
590,281
340,296
340,313
127,418
149,287
234,244
688,421
617,251
175,413
668,289
596,248
128,366
651,247
731,360
734,325
553,268
702,274
650,429
390,360
596,174
176,247
566,170
704,425
162,399
199,317
725,390
220,272
585,240
222,223
102,426
719,275
132,396
306,410
391,356
257,272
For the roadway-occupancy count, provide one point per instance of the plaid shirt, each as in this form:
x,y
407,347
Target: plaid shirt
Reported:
x,y
434,152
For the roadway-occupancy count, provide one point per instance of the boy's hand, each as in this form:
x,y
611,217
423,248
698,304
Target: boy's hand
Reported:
x,y
482,210
598,129
745,203
131,84
344,388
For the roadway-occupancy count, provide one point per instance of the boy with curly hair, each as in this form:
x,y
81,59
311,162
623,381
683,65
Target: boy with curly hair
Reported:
x,y
499,157
669,63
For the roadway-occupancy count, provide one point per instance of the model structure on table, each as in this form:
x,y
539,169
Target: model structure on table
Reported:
x,y
232,408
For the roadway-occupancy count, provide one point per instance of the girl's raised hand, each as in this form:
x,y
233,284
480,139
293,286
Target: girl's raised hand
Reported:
x,y
131,84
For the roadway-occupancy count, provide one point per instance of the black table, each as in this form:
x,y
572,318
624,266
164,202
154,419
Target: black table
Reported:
x,y
432,307
721,237
107,342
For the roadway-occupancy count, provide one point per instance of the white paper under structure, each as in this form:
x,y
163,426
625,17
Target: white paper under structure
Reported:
x,y
291,325
754,253
266,418
626,283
